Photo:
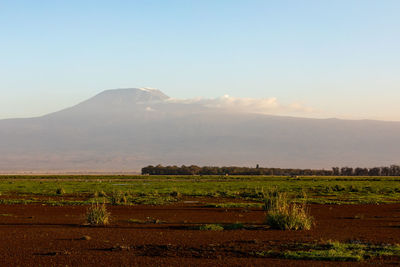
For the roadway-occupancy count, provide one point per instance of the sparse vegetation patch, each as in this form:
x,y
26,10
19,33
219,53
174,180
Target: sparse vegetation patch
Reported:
x,y
333,251
211,227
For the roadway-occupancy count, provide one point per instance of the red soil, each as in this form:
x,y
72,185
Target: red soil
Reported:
x,y
37,235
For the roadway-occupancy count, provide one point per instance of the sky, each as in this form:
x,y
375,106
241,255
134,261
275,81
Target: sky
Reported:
x,y
330,58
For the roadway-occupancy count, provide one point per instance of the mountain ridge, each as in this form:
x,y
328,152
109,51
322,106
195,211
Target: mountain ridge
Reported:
x,y
127,129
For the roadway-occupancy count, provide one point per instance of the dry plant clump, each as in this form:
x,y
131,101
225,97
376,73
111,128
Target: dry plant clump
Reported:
x,y
284,215
97,214
118,198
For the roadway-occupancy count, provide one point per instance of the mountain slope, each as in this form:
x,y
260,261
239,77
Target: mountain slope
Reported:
x,y
126,129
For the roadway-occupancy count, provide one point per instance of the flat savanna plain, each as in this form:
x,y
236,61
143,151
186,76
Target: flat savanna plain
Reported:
x,y
196,221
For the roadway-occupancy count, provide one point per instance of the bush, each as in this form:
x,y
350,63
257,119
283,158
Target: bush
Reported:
x,y
60,191
274,199
294,217
117,198
285,216
97,215
175,193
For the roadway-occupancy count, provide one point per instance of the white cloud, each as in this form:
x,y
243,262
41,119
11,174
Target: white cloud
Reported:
x,y
250,105
148,89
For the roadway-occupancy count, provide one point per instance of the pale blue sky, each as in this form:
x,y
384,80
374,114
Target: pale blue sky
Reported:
x,y
341,58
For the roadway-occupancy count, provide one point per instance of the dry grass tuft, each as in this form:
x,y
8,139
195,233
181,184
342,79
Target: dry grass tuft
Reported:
x,y
284,215
97,215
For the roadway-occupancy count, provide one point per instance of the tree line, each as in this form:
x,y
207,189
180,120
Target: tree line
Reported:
x,y
393,170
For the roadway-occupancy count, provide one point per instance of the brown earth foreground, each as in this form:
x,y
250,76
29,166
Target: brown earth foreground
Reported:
x,y
38,235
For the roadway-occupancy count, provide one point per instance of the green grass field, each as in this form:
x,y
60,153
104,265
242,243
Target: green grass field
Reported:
x,y
161,189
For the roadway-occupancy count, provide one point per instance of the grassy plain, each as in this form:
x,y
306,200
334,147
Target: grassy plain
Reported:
x,y
231,206
83,189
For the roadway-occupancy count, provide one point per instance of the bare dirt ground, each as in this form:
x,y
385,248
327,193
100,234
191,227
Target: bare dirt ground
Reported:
x,y
38,235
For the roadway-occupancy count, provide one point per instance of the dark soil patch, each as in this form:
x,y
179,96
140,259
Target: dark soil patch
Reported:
x,y
40,235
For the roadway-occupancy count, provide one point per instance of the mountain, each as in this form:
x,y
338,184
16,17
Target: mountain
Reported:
x,y
126,129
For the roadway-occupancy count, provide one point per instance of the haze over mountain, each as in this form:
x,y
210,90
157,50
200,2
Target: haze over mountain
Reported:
x,y
126,129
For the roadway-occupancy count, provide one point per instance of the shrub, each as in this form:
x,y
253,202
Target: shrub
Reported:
x,y
117,197
274,199
293,217
97,215
175,193
60,191
285,216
